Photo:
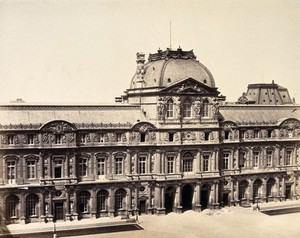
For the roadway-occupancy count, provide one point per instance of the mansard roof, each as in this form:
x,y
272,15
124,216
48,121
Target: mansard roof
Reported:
x,y
81,116
260,115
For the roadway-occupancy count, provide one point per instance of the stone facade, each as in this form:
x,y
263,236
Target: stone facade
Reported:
x,y
172,144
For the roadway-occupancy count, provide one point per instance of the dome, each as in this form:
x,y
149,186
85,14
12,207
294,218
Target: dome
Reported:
x,y
168,67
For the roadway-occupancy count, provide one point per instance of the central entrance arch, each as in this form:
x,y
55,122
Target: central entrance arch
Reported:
x,y
187,197
169,199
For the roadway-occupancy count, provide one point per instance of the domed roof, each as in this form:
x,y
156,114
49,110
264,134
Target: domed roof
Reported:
x,y
168,67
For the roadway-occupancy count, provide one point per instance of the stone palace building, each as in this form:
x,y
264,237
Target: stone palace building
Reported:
x,y
170,143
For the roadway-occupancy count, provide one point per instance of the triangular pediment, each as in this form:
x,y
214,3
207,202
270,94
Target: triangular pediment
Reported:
x,y
189,86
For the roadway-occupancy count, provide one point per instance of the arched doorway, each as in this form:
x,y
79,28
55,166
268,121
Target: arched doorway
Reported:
x,y
257,193
205,192
243,192
270,189
187,197
169,199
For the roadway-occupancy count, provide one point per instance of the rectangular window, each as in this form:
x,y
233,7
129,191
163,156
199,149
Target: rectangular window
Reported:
x,y
119,137
119,166
255,159
58,139
11,139
143,137
226,161
226,135
270,133
171,136
58,168
30,139
206,135
31,165
188,165
142,165
11,171
101,166
288,157
83,138
83,167
170,164
269,158
205,162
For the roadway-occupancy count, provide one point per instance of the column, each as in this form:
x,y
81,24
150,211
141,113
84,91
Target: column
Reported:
x,y
150,205
75,206
283,188
93,203
232,192
163,197
74,165
277,156
128,159
217,194
198,197
264,192
136,198
41,165
129,200
148,168
163,163
278,193
136,163
23,208
237,192
217,160
157,197
198,161
157,162
177,162
178,206
68,213
251,190
111,202
42,206
295,187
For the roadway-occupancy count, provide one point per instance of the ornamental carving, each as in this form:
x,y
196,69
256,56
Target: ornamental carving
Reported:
x,y
189,135
71,137
178,107
4,139
58,127
197,107
161,108
124,138
215,108
227,126
291,124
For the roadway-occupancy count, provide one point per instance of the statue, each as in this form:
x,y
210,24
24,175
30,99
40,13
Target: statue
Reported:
x,y
161,108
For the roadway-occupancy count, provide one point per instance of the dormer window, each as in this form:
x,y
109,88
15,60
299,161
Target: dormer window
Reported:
x,y
206,135
187,108
226,136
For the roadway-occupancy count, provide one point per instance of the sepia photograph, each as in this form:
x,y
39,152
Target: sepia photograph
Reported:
x,y
149,118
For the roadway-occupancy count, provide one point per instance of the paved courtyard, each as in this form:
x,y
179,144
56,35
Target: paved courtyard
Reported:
x,y
228,222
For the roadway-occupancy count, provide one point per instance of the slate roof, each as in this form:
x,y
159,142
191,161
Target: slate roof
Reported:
x,y
76,114
249,115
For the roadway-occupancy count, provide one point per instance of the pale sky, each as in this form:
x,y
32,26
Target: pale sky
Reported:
x,y
85,51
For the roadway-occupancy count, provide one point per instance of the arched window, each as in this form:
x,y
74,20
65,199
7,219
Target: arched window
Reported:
x,y
12,203
187,105
120,199
84,200
205,108
243,189
170,108
102,198
32,202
